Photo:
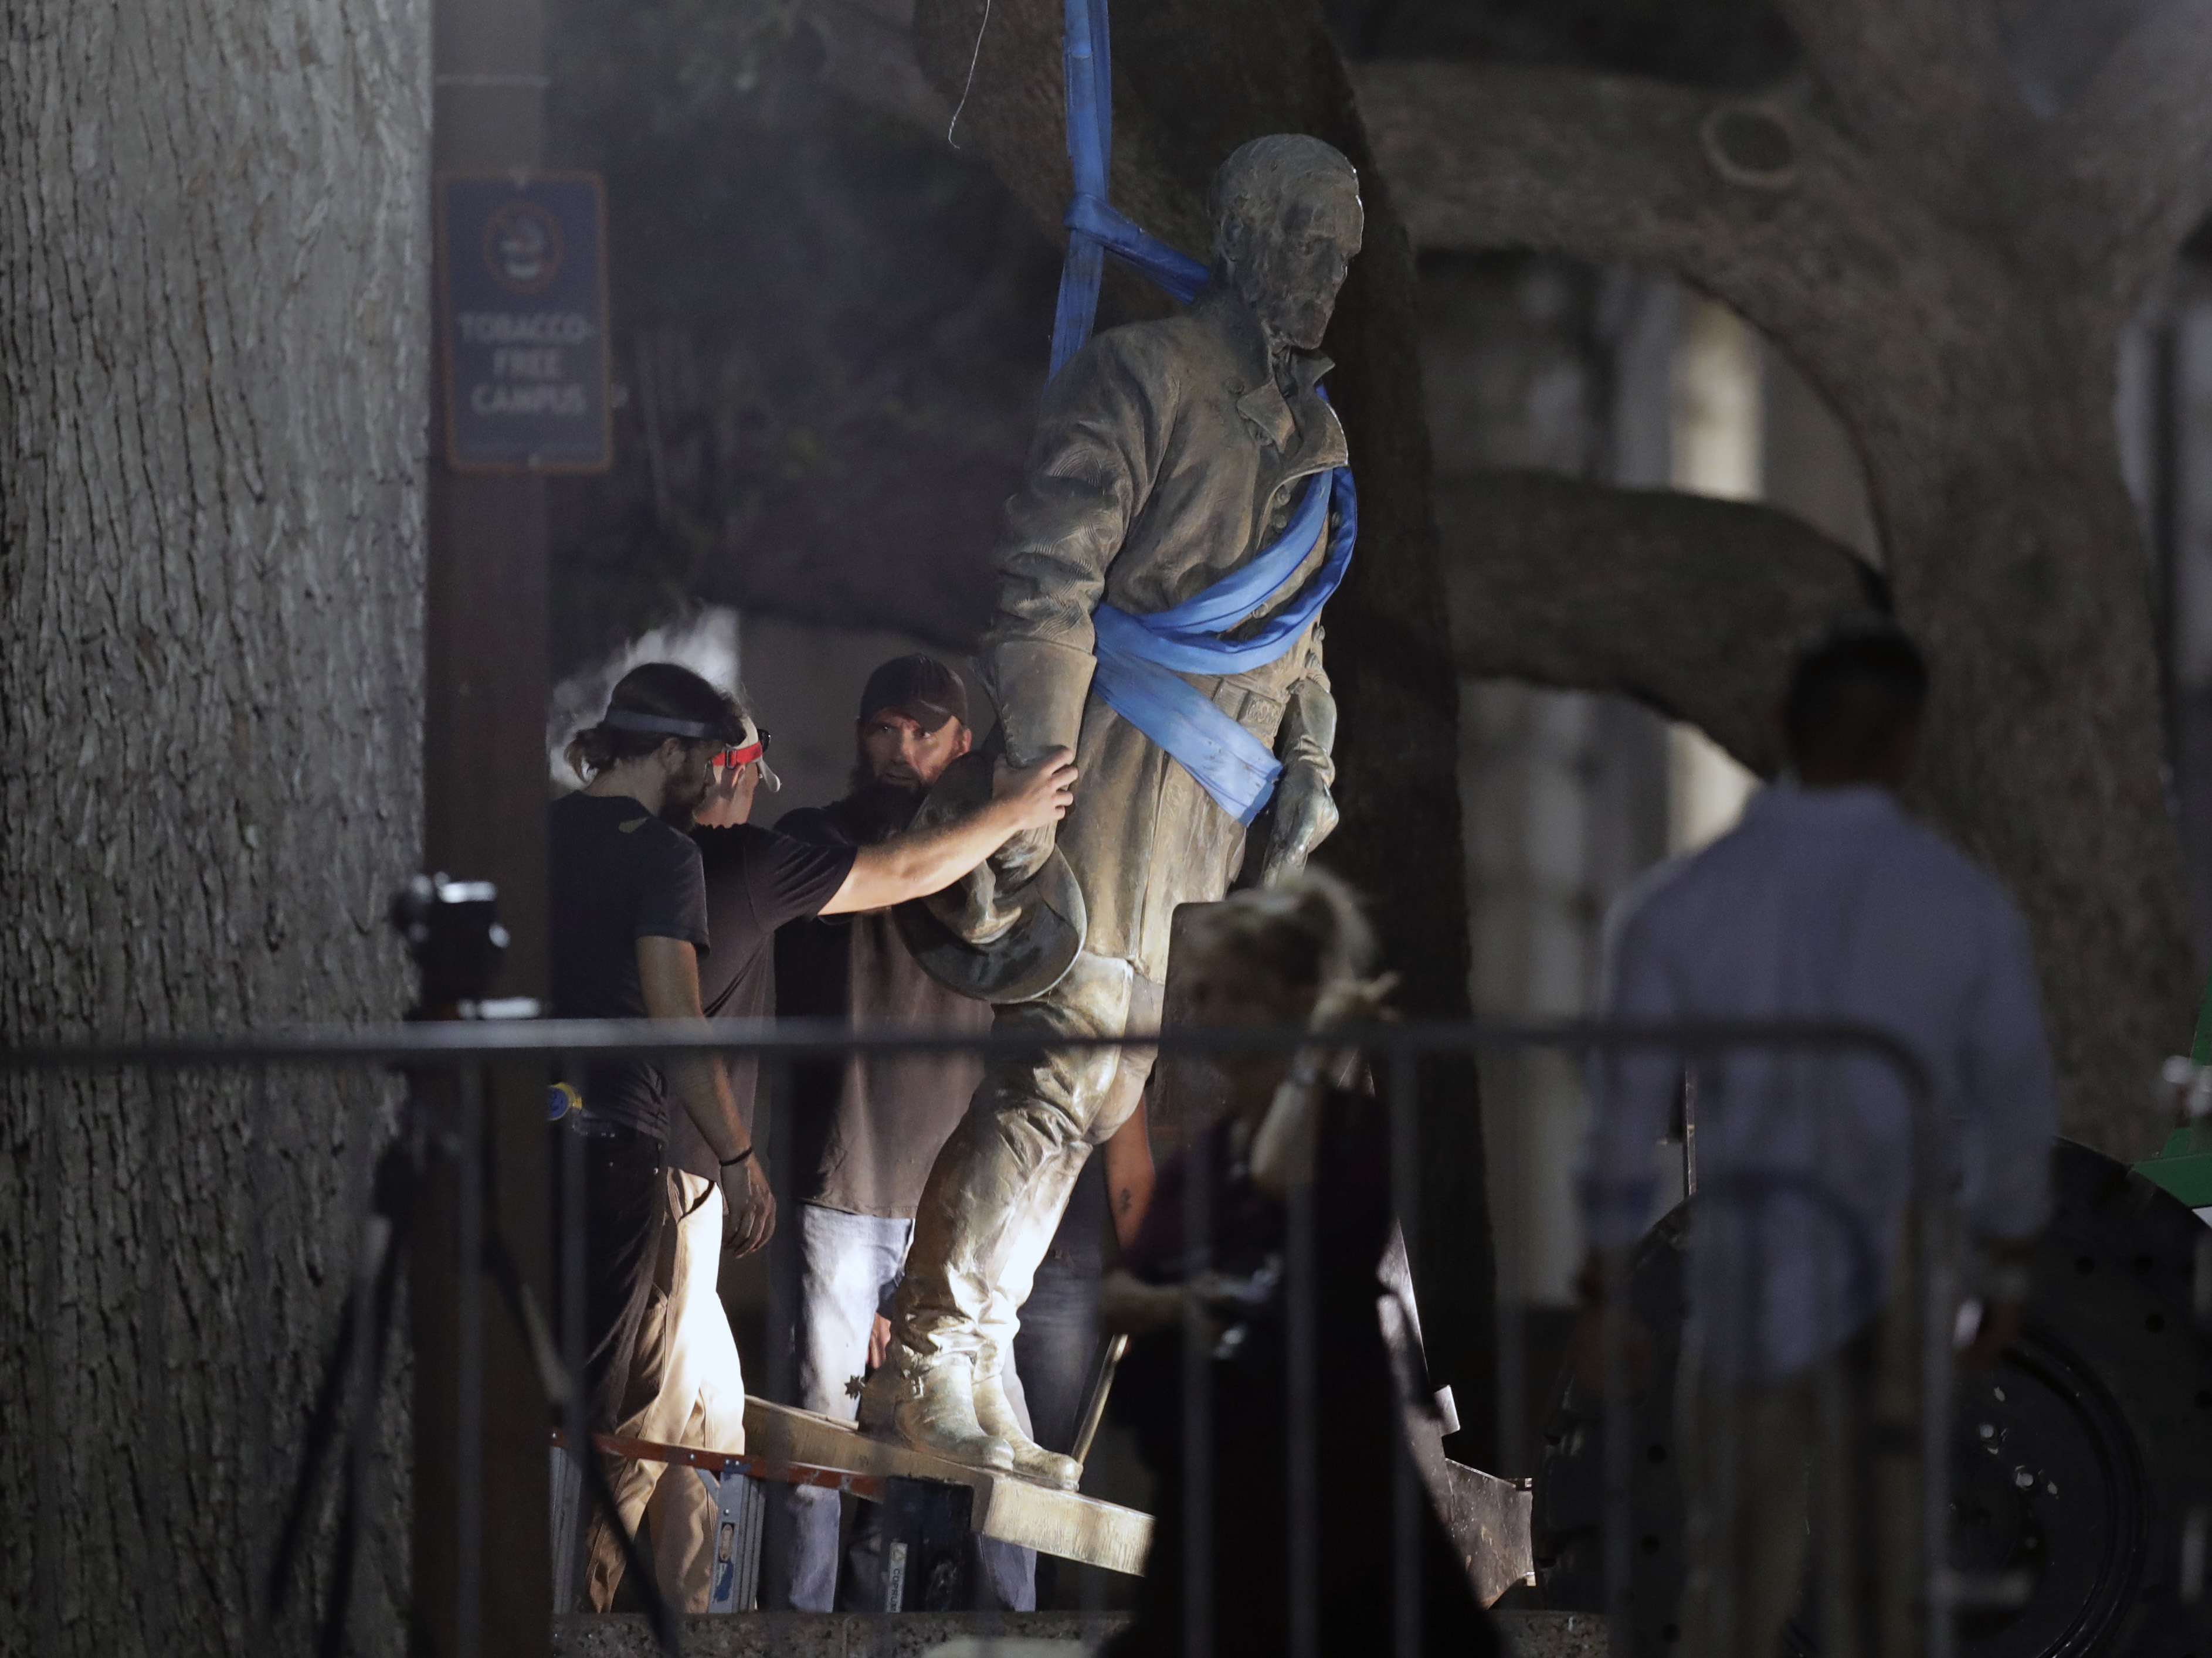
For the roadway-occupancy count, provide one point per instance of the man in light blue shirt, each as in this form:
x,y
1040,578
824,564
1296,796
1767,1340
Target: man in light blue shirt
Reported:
x,y
1828,904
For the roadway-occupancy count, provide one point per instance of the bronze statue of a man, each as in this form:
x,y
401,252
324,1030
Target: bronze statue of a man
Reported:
x,y
1163,565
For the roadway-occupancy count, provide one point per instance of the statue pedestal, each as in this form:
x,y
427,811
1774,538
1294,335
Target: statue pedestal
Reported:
x,y
1010,1509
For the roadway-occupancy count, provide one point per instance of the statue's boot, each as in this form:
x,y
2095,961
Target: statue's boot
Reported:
x,y
940,1387
996,1412
988,1215
928,1401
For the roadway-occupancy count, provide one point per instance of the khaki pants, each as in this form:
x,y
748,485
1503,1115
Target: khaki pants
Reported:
x,y
685,1389
1823,1466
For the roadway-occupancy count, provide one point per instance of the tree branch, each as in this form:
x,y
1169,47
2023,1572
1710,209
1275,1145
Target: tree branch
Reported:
x,y
2138,143
1924,83
1692,606
1013,115
1604,168
1865,287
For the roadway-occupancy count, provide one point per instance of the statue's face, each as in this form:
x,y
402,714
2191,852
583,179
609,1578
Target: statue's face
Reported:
x,y
1289,271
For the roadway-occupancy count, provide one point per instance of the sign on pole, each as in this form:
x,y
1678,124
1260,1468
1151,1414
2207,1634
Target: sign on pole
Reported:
x,y
522,312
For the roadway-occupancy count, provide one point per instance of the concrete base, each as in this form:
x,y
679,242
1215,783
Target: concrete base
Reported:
x,y
1013,1510
913,1634
1553,1634
824,1634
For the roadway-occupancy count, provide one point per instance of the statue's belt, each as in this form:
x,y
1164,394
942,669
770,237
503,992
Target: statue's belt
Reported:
x,y
1141,658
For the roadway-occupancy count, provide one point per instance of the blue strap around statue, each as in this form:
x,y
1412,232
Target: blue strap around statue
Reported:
x,y
1141,658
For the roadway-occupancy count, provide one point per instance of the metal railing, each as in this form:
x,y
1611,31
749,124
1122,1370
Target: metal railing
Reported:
x,y
447,1120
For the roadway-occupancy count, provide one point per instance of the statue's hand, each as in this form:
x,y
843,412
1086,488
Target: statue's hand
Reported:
x,y
1305,813
978,908
1021,856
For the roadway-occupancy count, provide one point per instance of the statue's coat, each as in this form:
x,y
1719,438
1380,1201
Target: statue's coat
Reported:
x,y
1166,456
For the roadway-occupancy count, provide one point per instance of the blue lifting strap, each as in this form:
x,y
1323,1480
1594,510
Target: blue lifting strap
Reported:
x,y
1142,659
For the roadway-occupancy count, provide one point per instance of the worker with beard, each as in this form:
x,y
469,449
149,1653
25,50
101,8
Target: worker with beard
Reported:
x,y
864,1132
634,908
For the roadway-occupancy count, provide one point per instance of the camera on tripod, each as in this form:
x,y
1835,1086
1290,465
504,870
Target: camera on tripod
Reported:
x,y
453,932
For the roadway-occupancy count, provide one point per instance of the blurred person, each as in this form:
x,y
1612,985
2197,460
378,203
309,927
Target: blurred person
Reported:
x,y
865,1131
632,897
1828,904
1295,955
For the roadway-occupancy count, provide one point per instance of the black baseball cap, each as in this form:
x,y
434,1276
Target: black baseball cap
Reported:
x,y
920,687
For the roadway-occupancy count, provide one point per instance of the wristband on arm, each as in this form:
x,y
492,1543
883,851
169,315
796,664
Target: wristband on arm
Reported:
x,y
732,1162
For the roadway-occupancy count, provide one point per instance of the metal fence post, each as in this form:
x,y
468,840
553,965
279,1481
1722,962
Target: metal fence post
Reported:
x,y
1198,1494
1407,1500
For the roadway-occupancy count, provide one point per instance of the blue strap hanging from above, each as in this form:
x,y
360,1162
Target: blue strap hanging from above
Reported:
x,y
1170,267
1095,226
1141,658
1087,55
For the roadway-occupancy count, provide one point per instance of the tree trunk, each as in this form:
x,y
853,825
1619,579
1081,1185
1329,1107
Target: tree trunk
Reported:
x,y
1191,83
2016,558
213,386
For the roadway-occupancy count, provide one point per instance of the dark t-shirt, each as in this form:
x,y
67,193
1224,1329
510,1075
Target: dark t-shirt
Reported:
x,y
865,1132
1247,1238
757,881
618,874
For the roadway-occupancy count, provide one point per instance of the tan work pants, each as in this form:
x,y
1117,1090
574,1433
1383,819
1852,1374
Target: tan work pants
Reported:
x,y
1824,1466
686,1387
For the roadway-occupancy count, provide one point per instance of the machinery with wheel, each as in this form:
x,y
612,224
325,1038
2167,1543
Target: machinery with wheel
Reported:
x,y
2083,1464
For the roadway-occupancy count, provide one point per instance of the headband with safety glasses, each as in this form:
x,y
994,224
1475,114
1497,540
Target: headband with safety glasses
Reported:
x,y
750,746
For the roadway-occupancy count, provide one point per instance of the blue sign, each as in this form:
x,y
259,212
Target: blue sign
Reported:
x,y
523,316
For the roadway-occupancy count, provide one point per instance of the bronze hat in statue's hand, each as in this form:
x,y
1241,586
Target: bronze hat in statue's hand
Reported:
x,y
1010,929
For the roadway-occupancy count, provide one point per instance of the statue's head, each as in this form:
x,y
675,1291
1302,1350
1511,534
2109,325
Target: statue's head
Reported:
x,y
1286,223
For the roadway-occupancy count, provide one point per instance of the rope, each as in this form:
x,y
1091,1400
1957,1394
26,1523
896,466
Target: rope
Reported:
x,y
974,58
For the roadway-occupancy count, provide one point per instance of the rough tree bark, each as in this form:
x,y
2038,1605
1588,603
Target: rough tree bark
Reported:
x,y
1952,270
1191,82
213,325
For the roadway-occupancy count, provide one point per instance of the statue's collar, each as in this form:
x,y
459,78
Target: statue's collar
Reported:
x,y
1301,426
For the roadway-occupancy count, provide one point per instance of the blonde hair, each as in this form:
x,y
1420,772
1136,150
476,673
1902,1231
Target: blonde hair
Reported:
x,y
1308,932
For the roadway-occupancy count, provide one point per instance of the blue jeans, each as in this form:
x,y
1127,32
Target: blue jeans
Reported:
x,y
848,1267
1058,1342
